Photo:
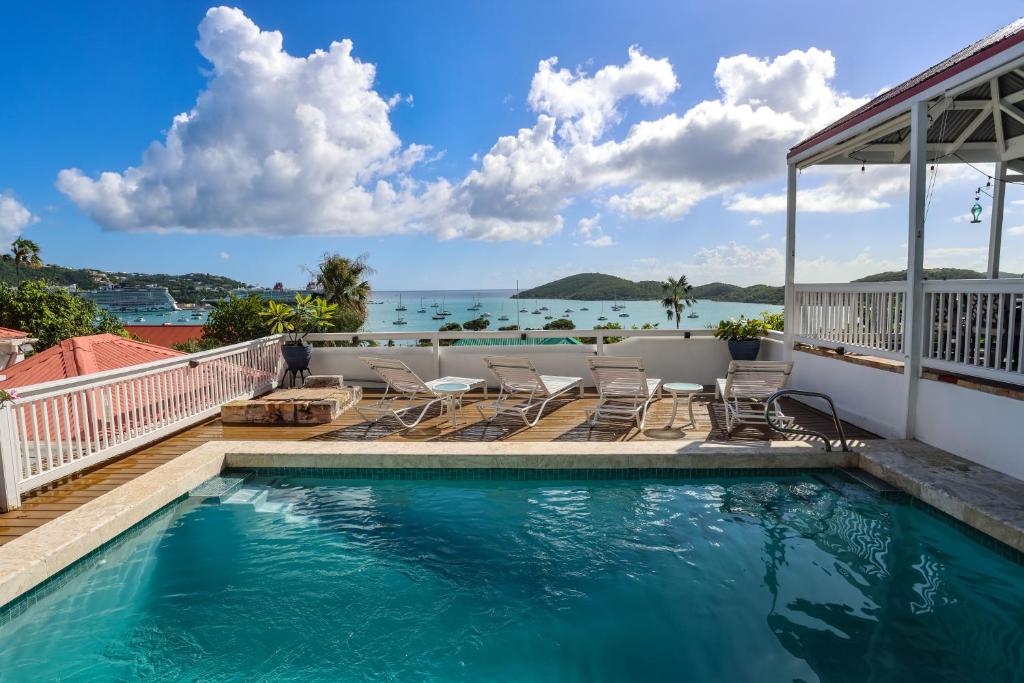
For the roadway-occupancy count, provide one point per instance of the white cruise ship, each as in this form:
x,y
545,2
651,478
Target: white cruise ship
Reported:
x,y
131,299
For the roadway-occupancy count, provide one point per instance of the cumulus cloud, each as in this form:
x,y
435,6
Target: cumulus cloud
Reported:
x,y
14,217
589,226
587,105
225,255
1016,231
277,143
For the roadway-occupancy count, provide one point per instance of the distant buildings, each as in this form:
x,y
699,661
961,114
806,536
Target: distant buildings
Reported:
x,y
277,293
131,299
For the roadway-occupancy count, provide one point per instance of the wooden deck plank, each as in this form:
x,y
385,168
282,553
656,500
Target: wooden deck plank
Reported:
x,y
562,421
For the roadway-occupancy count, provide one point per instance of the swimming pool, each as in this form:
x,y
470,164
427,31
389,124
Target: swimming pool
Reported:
x,y
805,576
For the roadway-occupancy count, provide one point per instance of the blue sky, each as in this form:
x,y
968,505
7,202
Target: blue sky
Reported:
x,y
91,87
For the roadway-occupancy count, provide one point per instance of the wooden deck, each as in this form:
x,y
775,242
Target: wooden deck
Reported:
x,y
562,421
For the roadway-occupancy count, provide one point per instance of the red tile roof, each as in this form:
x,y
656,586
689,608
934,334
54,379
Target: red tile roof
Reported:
x,y
8,333
82,356
166,335
975,53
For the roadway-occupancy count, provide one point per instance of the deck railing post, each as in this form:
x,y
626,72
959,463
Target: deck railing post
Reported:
x,y
9,497
792,311
913,322
435,347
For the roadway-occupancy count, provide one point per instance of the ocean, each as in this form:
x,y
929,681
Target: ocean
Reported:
x,y
499,303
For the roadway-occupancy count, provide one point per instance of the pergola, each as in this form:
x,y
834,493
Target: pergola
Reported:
x,y
968,108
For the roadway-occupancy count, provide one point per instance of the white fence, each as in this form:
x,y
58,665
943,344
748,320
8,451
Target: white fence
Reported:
x,y
861,316
975,327
58,428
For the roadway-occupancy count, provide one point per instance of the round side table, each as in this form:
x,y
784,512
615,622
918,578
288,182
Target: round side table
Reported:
x,y
679,391
451,396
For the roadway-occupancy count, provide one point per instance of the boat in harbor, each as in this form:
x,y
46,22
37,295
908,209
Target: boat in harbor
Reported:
x,y
693,314
400,306
421,309
601,317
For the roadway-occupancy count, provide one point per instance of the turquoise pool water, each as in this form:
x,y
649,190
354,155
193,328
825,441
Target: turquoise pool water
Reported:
x,y
804,577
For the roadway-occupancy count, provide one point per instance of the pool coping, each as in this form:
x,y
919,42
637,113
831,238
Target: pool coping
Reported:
x,y
914,468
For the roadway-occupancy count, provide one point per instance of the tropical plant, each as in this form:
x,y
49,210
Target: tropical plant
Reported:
x,y
25,254
52,315
8,397
296,322
742,329
344,283
677,295
477,324
508,328
449,327
774,321
235,319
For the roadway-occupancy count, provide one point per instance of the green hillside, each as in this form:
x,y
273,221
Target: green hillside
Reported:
x,y
595,287
601,287
188,288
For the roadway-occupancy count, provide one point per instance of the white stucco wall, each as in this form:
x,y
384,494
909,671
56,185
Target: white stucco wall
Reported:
x,y
982,427
699,359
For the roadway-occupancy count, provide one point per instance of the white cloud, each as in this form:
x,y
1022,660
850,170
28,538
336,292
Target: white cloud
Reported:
x,y
225,255
14,217
847,190
765,236
275,143
602,241
755,221
1016,231
587,105
279,144
589,226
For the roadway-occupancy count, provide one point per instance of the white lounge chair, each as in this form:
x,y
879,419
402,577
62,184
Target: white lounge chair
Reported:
x,y
623,388
405,390
745,388
524,389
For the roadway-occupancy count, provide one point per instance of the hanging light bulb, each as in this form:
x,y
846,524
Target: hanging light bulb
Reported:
x,y
862,167
976,209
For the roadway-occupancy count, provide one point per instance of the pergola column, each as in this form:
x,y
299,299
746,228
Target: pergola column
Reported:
x,y
913,320
995,236
790,290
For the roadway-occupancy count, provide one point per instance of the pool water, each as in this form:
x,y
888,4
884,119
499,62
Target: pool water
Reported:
x,y
802,577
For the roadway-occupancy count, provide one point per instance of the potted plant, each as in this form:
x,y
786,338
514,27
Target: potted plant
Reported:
x,y
743,336
296,323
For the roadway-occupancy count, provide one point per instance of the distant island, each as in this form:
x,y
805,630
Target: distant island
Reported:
x,y
601,287
190,288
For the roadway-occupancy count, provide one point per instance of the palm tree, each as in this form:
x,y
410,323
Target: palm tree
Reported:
x,y
344,283
24,253
678,295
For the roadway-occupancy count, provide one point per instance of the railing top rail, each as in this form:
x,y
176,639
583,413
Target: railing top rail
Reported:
x,y
892,286
107,376
978,285
506,334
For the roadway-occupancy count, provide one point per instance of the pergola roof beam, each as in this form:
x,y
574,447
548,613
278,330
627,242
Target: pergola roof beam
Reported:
x,y
1012,110
968,104
996,116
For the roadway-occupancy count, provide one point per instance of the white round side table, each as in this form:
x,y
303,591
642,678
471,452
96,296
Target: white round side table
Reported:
x,y
679,391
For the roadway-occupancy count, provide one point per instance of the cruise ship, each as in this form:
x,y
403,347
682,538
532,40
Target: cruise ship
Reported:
x,y
131,299
277,293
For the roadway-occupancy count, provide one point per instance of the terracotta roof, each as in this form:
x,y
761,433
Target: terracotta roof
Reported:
x,y
977,52
8,333
82,356
166,335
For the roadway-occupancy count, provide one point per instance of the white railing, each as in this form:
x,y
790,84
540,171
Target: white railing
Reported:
x,y
861,316
59,428
975,327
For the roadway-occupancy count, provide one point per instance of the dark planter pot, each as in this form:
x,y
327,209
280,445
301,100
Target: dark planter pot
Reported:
x,y
297,356
744,349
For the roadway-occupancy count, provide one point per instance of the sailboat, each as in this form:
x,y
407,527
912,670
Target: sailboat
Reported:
x,y
476,304
503,317
443,311
400,320
601,317
584,308
421,309
693,314
400,306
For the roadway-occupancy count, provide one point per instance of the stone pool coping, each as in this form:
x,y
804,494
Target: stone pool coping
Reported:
x,y
928,474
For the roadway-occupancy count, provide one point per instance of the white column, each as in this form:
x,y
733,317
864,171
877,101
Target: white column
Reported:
x,y
790,290
9,498
913,321
995,236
